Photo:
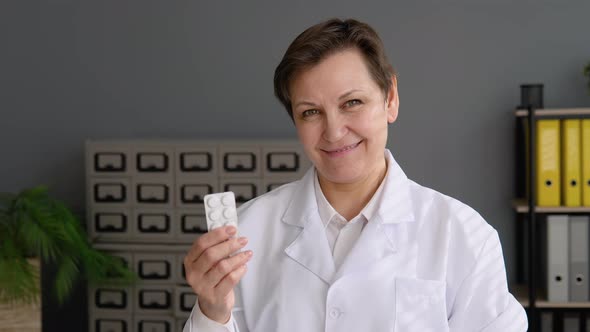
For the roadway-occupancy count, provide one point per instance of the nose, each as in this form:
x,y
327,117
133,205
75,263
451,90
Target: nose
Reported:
x,y
335,127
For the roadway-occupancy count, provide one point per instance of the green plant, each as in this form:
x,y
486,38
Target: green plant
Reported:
x,y
587,74
32,224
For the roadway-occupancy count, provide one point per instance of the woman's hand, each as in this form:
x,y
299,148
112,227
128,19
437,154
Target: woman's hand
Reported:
x,y
212,273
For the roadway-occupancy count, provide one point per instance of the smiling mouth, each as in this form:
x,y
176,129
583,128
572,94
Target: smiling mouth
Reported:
x,y
344,149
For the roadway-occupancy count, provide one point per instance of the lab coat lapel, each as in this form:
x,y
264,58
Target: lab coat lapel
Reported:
x,y
382,236
310,248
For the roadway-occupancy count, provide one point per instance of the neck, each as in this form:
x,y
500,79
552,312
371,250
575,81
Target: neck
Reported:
x,y
348,199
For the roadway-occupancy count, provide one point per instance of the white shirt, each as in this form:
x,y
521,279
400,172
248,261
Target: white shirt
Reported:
x,y
341,235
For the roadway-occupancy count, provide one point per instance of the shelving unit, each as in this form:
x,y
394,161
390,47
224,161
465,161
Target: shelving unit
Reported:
x,y
145,205
530,295
521,206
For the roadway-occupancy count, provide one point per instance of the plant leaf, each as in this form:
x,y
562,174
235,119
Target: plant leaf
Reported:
x,y
40,241
19,281
105,269
66,275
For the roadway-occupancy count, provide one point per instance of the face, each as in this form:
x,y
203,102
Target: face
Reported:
x,y
341,116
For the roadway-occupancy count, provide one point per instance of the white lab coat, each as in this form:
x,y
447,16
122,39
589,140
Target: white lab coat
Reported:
x,y
425,262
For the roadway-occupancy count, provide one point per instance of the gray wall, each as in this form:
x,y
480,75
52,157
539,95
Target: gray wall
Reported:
x,y
73,70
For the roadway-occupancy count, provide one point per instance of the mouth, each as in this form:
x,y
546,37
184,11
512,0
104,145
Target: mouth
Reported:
x,y
343,150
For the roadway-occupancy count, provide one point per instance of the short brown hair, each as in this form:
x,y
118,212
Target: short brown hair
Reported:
x,y
325,38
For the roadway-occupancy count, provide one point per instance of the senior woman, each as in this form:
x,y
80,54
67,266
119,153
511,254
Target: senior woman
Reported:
x,y
354,245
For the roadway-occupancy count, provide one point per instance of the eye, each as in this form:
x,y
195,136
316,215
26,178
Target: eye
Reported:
x,y
309,113
352,102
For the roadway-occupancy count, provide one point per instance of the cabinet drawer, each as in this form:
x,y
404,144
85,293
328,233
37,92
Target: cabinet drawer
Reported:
x,y
196,160
153,192
154,160
243,189
191,192
190,224
109,191
110,224
285,160
108,159
110,323
239,161
152,323
154,299
155,268
154,224
110,299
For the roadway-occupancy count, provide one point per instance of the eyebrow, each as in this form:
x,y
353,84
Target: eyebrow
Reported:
x,y
343,96
308,103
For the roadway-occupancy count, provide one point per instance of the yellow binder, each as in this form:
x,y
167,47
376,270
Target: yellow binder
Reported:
x,y
548,163
570,162
585,162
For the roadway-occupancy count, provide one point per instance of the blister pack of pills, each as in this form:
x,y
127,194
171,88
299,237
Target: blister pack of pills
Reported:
x,y
220,210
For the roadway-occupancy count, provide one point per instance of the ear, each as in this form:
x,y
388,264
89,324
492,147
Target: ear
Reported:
x,y
392,101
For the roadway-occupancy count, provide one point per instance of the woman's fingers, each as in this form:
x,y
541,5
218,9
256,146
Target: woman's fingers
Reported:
x,y
227,266
208,240
228,282
213,255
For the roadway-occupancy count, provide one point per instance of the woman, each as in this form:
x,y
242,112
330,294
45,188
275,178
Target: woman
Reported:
x,y
354,245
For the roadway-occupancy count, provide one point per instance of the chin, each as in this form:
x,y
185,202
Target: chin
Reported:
x,y
343,177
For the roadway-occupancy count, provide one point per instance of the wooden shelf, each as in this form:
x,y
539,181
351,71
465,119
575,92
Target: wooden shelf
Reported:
x,y
521,206
554,112
522,295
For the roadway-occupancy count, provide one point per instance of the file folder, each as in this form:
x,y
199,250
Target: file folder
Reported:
x,y
585,144
546,321
548,163
571,163
578,241
557,258
571,322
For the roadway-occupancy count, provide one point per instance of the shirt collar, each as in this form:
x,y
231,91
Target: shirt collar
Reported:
x,y
325,210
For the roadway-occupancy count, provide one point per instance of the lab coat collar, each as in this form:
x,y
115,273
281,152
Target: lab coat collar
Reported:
x,y
303,203
395,205
312,250
377,241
